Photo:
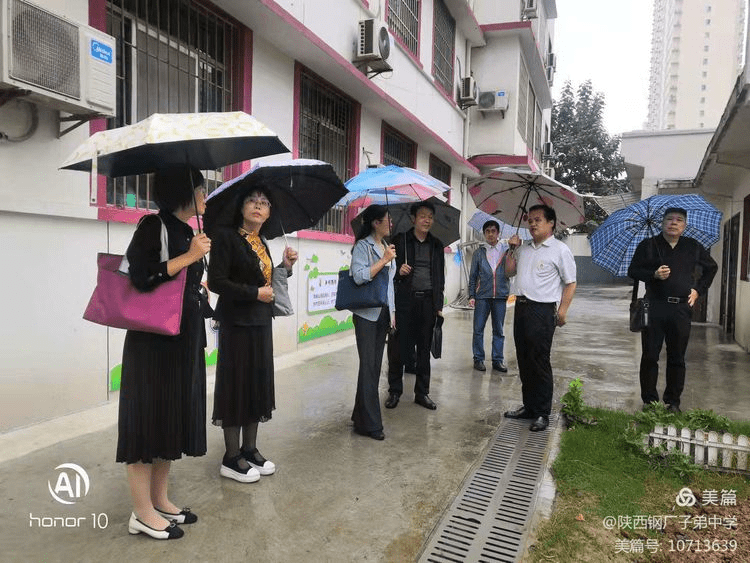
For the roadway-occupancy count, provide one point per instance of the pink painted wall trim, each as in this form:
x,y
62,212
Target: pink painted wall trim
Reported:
x,y
295,110
324,236
121,215
344,63
490,27
485,160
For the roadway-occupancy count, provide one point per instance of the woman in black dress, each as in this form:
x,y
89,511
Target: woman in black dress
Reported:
x,y
240,273
163,387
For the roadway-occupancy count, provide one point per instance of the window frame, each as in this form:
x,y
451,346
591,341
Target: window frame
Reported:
x,y
398,27
204,21
441,14
387,130
338,218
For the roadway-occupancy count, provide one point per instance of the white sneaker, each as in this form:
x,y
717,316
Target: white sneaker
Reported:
x,y
258,462
234,471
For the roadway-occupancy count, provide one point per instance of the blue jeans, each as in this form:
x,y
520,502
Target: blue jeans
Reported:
x,y
484,308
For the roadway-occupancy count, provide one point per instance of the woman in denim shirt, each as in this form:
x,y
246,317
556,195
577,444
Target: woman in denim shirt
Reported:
x,y
369,256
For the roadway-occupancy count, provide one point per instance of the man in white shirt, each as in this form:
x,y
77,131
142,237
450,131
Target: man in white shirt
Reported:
x,y
545,274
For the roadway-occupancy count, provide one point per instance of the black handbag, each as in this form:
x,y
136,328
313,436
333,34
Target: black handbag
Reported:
x,y
638,311
437,338
351,296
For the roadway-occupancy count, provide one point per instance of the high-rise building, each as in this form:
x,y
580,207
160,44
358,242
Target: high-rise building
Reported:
x,y
697,49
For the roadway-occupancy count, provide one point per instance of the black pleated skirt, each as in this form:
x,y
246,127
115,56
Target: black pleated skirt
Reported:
x,y
163,394
244,391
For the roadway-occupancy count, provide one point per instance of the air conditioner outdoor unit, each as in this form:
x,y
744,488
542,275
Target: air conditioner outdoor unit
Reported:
x,y
551,60
550,71
62,64
547,150
493,100
550,171
469,92
530,9
374,45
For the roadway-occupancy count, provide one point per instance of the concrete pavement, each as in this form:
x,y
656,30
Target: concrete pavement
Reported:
x,y
336,496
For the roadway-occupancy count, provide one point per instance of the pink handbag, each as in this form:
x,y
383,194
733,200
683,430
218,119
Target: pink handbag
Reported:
x,y
117,303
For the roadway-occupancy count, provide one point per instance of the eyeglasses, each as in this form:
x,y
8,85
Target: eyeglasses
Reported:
x,y
261,202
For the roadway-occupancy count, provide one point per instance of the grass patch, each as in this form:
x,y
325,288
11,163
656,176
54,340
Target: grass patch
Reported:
x,y
601,474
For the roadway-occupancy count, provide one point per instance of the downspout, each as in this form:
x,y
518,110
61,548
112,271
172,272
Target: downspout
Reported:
x,y
465,154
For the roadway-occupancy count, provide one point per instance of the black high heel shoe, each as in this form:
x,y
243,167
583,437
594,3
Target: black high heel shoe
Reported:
x,y
171,532
184,516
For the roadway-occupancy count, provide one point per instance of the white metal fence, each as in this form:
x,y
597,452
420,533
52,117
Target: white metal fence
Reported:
x,y
711,450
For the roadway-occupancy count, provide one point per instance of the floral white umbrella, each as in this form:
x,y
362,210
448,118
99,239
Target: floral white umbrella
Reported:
x,y
508,193
205,140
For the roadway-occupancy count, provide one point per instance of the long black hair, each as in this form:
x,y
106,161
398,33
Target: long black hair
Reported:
x,y
372,213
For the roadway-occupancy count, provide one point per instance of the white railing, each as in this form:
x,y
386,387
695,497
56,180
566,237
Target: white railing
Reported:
x,y
711,450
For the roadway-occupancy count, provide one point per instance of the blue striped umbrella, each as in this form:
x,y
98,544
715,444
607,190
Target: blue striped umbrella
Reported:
x,y
614,242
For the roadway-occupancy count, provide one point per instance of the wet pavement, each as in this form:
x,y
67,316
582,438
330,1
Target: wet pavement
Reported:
x,y
336,496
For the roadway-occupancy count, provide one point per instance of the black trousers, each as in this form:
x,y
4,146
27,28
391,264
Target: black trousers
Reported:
x,y
533,329
414,327
370,345
668,322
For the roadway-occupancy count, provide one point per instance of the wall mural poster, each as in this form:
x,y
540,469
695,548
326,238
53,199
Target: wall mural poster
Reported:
x,y
321,300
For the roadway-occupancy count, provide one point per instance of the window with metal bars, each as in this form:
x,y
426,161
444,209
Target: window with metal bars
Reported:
x,y
398,149
441,171
327,133
403,20
173,56
523,94
444,38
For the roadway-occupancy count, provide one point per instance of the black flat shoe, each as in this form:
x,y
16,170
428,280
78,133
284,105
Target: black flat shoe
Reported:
x,y
184,516
425,401
539,424
375,434
520,412
171,532
479,366
500,366
392,401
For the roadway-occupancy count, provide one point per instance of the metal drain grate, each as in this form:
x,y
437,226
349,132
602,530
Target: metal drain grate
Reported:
x,y
489,519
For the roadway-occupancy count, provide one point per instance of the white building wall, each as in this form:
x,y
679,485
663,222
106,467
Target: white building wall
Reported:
x,y
61,363
492,133
665,155
690,38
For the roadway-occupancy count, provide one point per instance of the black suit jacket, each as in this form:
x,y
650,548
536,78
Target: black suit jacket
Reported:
x,y
404,243
234,273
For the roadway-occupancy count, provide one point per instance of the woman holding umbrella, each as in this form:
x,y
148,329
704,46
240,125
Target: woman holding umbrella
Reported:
x,y
369,256
240,273
163,388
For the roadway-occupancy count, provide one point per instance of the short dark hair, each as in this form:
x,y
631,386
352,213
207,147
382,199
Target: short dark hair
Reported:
x,y
679,210
420,204
491,223
549,213
174,186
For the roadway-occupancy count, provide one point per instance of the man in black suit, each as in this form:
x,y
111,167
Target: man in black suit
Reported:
x,y
419,283
667,263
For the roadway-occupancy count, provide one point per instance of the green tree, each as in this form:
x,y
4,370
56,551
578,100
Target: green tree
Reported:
x,y
586,157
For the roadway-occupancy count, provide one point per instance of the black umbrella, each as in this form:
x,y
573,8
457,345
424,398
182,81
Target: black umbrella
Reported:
x,y
301,191
445,226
